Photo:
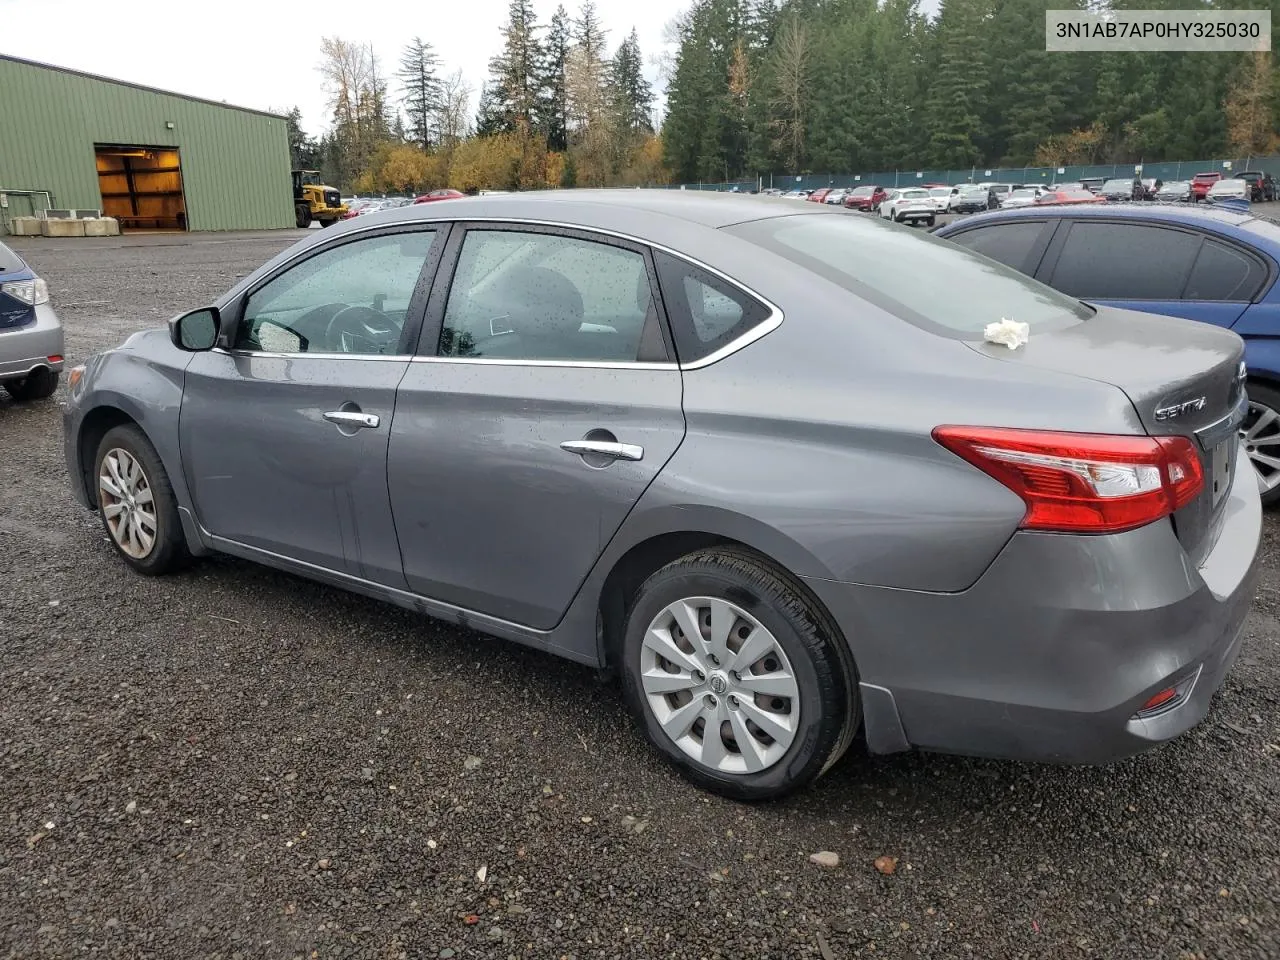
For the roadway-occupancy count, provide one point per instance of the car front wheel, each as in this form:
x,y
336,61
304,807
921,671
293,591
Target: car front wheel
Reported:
x,y
735,677
136,502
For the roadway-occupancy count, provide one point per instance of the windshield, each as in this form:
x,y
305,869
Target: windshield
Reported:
x,y
1178,186
883,265
864,191
940,192
1028,194
973,191
1118,185
1228,186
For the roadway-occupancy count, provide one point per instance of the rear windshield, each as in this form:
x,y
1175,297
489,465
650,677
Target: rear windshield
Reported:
x,y
1023,193
970,191
914,194
1118,185
863,191
929,282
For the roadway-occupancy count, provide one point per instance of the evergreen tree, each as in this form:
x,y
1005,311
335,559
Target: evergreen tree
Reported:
x,y
554,112
959,89
512,97
304,151
632,95
418,75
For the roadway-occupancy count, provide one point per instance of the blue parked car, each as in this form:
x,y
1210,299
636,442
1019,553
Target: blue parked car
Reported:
x,y
1219,266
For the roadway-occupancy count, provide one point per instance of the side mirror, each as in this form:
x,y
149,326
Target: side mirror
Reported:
x,y
195,331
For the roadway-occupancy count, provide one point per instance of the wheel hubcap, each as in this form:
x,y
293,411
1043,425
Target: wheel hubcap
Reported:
x,y
720,685
127,503
1260,433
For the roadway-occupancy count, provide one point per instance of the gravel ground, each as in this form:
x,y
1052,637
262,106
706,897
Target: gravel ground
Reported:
x,y
237,763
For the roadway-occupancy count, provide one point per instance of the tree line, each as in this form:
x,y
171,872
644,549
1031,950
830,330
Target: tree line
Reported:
x,y
558,109
853,85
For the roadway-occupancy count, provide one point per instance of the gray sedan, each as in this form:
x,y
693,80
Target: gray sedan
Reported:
x,y
738,454
30,333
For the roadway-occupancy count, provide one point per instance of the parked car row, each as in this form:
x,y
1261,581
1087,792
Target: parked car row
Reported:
x,y
973,197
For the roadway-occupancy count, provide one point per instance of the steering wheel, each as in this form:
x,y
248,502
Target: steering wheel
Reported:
x,y
360,329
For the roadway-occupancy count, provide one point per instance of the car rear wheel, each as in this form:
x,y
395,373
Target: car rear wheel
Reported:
x,y
1260,434
136,502
735,678
36,385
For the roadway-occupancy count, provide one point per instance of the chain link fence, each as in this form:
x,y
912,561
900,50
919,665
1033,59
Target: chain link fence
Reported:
x,y
1167,171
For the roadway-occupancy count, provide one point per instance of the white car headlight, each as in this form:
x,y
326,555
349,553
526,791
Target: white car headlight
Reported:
x,y
30,292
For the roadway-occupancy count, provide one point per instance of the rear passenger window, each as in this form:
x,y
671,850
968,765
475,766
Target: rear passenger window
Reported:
x,y
1009,243
1223,273
1124,261
541,296
706,312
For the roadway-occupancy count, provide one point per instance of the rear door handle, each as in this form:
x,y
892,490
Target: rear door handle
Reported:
x,y
604,448
350,418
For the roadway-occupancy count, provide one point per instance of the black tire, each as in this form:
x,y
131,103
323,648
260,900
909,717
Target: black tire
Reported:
x,y
327,223
302,215
931,221
822,668
1267,396
36,385
168,551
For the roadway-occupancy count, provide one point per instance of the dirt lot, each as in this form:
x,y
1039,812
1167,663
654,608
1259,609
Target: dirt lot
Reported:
x,y
238,763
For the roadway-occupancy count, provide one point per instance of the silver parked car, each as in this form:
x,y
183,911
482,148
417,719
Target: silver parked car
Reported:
x,y
31,345
739,454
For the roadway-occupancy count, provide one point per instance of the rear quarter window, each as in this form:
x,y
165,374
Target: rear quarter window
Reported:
x,y
930,282
1124,261
1013,244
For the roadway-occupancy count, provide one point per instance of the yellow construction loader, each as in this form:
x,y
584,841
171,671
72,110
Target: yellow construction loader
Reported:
x,y
312,200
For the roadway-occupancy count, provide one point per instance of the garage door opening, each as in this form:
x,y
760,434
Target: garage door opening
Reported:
x,y
141,186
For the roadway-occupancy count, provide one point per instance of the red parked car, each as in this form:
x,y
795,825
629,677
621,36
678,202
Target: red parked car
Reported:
x,y
435,195
818,196
1060,197
1201,184
866,197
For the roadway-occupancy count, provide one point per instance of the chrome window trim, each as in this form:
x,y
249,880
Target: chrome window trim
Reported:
x,y
398,357
593,364
761,329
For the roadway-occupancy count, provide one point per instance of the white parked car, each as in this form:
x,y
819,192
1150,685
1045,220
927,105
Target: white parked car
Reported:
x,y
910,205
1022,197
941,198
1231,188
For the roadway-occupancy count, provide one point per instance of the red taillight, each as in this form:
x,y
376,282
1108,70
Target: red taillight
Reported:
x,y
54,358
1083,482
1159,700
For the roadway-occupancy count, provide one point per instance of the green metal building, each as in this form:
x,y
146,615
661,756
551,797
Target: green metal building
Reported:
x,y
155,160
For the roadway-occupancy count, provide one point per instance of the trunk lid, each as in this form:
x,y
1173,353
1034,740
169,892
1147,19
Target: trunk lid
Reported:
x,y
1182,377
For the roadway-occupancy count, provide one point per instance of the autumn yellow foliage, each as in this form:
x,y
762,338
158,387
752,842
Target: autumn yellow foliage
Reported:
x,y
508,161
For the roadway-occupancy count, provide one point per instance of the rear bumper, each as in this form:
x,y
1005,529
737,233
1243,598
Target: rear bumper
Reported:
x,y
1055,649
29,348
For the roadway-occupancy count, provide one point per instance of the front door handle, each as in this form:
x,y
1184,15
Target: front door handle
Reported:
x,y
603,448
350,418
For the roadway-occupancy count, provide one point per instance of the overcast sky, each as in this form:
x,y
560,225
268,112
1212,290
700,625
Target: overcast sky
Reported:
x,y
263,53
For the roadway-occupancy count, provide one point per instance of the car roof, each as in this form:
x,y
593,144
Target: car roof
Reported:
x,y
1150,213
609,209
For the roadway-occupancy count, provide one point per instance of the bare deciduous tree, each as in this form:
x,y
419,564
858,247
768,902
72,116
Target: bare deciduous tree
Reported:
x,y
790,96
